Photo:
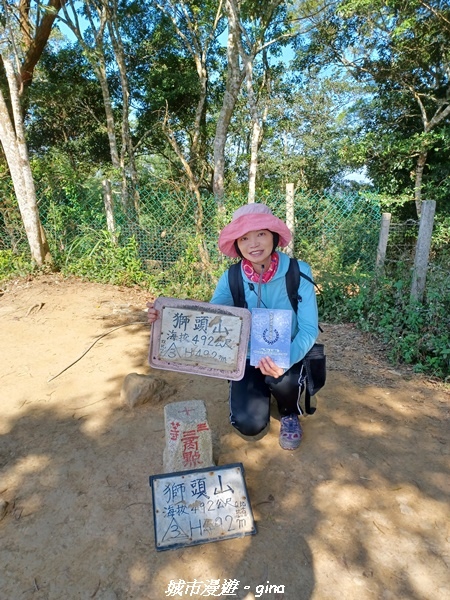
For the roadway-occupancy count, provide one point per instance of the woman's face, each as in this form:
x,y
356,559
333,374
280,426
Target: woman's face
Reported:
x,y
256,246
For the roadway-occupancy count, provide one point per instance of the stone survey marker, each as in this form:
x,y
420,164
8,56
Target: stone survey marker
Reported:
x,y
205,505
201,338
188,437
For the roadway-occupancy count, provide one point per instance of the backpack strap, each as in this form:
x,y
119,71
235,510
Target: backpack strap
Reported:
x,y
293,283
236,284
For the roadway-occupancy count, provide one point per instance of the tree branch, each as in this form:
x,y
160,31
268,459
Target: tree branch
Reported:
x,y
37,44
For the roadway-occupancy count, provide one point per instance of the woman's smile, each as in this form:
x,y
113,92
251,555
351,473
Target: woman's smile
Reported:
x,y
257,247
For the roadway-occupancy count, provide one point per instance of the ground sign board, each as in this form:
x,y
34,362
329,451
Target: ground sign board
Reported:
x,y
196,507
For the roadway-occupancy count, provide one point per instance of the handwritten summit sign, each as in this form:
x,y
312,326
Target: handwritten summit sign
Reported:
x,y
201,338
196,507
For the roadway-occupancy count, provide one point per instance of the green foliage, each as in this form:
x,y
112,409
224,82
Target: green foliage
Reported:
x,y
188,277
305,128
70,201
340,294
66,109
336,231
441,235
12,233
14,265
402,54
97,256
413,333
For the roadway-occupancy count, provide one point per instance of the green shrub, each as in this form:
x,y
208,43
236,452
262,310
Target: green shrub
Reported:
x,y
12,264
189,276
413,333
97,256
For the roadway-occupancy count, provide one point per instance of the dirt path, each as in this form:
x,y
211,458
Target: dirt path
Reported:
x,y
359,512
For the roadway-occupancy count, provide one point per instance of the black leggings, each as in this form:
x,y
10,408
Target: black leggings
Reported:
x,y
250,397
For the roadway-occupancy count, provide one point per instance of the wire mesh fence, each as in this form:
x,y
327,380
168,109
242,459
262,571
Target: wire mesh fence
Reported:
x,y
168,227
402,242
337,231
172,236
170,230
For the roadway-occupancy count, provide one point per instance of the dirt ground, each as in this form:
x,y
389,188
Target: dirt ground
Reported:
x,y
360,511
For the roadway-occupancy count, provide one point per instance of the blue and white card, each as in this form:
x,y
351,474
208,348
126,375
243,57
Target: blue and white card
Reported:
x,y
271,336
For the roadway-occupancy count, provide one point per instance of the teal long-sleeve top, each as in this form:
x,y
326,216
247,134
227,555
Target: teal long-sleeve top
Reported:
x,y
305,327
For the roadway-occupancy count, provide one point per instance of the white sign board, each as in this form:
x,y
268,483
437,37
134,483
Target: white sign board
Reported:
x,y
196,507
199,337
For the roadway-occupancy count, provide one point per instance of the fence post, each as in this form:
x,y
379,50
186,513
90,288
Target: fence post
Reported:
x,y
422,250
383,240
290,217
108,202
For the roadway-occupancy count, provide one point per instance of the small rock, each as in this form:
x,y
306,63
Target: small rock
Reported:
x,y
406,510
139,389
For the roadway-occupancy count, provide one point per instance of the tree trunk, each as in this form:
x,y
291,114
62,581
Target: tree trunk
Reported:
x,y
441,113
12,137
100,71
253,166
421,161
198,44
257,130
235,77
194,187
200,109
239,46
116,161
35,44
96,56
127,142
257,127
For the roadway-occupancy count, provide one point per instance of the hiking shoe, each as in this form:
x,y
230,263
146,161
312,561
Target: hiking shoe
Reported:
x,y
290,432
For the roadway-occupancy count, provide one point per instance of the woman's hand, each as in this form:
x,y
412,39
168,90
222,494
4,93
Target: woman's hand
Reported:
x,y
268,367
152,313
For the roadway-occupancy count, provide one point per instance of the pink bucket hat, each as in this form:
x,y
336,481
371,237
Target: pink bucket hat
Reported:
x,y
251,217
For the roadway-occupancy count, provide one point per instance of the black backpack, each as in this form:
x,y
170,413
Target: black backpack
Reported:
x,y
315,361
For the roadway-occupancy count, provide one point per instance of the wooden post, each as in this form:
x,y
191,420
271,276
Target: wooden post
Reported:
x,y
290,222
383,240
422,250
107,199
